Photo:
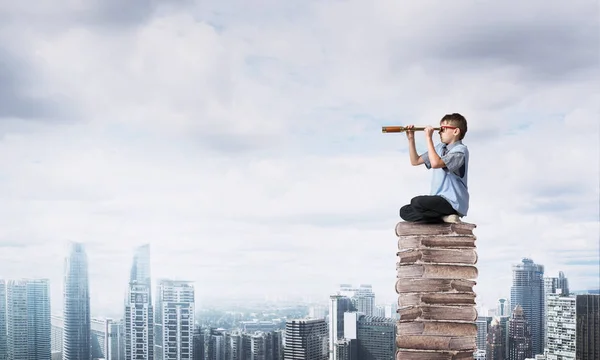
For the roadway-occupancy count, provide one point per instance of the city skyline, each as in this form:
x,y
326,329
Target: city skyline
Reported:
x,y
240,143
28,305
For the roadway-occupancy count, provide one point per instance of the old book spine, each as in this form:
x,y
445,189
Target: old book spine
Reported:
x,y
437,271
406,354
412,229
424,299
436,342
449,242
420,285
437,312
448,328
442,256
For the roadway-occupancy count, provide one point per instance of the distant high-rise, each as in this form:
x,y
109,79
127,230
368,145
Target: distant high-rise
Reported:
x,y
482,331
306,339
587,316
76,338
563,283
275,347
199,343
553,285
497,339
28,319
527,290
560,322
519,336
114,340
370,338
233,345
503,307
3,344
216,348
362,297
338,305
376,338
139,316
174,320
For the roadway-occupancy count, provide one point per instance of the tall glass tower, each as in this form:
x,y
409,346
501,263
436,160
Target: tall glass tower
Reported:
x,y
76,310
527,290
28,319
139,317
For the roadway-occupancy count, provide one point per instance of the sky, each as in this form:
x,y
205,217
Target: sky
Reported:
x,y
242,139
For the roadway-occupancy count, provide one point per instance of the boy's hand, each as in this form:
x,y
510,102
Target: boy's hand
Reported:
x,y
429,131
410,134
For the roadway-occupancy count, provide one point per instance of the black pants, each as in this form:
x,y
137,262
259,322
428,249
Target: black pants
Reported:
x,y
426,208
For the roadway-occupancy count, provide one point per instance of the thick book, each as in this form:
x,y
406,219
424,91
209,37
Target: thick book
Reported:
x,y
447,229
409,354
423,285
450,242
437,328
436,342
437,271
438,298
429,255
437,312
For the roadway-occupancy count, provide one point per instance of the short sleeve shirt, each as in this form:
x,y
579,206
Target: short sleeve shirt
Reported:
x,y
455,161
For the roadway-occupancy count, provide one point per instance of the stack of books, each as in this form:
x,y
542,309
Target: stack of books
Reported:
x,y
436,274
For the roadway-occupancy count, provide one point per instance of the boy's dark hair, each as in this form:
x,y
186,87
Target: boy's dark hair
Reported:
x,y
457,120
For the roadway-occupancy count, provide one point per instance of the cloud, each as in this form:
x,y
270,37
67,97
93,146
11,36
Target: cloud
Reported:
x,y
244,144
18,98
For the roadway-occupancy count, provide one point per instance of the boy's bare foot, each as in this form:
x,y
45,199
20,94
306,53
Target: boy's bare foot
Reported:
x,y
453,219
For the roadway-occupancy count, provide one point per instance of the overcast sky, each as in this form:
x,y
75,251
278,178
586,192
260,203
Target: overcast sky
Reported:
x,y
242,139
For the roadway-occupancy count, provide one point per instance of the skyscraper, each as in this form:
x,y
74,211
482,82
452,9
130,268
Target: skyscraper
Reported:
x,y
306,339
139,317
338,305
115,347
560,330
76,310
376,338
497,339
527,290
28,319
482,331
588,326
174,320
3,344
519,337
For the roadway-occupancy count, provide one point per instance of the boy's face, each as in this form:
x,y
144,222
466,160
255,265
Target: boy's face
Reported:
x,y
448,133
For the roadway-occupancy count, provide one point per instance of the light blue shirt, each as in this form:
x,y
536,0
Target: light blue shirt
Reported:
x,y
450,182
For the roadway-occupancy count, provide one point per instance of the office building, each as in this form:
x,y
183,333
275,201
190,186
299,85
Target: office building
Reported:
x,y
76,309
28,319
527,291
306,339
139,315
587,317
174,320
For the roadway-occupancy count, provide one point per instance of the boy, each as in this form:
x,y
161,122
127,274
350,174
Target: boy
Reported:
x,y
449,199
